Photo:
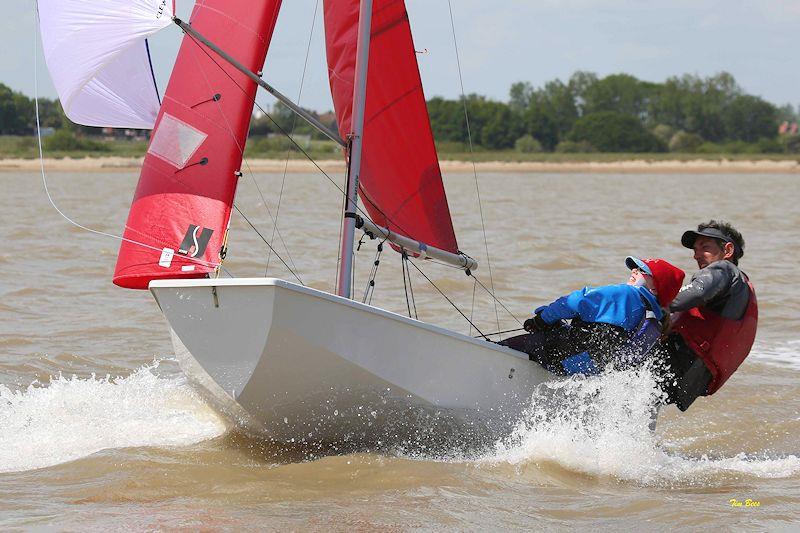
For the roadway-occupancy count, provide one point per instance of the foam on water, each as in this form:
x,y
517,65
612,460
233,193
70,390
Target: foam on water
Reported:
x,y
786,353
70,417
599,426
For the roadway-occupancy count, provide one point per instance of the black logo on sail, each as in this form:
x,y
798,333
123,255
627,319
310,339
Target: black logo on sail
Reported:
x,y
194,244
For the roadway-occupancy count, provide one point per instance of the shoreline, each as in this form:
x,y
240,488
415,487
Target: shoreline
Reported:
x,y
637,166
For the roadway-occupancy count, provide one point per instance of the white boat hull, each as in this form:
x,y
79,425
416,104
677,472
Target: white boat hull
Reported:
x,y
299,365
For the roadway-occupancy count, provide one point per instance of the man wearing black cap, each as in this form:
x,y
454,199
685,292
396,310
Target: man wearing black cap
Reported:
x,y
716,319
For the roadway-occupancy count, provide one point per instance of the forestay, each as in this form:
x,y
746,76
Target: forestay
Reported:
x,y
98,58
400,179
182,205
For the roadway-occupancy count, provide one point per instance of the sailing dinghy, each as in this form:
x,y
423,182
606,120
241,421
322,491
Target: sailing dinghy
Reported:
x,y
280,359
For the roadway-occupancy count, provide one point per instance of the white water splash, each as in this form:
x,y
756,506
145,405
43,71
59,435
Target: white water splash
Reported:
x,y
72,417
599,425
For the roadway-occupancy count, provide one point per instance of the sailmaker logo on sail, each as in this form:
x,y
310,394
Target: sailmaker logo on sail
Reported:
x,y
192,245
161,9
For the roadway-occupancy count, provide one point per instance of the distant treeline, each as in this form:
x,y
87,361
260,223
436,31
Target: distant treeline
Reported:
x,y
17,114
617,113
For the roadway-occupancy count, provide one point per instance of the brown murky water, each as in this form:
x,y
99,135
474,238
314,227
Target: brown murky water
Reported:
x,y
98,429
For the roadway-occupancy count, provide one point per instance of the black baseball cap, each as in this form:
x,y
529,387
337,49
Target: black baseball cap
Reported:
x,y
689,237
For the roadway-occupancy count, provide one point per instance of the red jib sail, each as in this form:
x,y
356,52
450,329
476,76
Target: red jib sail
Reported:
x,y
180,212
400,181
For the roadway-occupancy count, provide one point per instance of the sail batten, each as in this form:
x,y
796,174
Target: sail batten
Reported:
x,y
400,179
182,205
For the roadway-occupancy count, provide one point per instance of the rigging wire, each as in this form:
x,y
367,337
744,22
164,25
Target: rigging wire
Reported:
x,y
280,236
503,332
294,124
344,194
296,144
369,290
299,148
507,310
328,177
472,154
408,286
411,288
403,261
269,213
472,309
250,173
449,300
339,237
268,244
352,272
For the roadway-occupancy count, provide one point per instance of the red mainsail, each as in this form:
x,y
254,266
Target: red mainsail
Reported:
x,y
400,181
180,212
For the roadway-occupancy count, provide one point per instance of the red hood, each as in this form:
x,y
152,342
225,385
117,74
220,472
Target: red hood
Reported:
x,y
667,278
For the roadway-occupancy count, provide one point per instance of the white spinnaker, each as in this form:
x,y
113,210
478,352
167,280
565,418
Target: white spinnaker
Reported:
x,y
97,56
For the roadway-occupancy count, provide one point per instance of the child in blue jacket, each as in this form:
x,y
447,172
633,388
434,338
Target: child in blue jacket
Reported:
x,y
610,323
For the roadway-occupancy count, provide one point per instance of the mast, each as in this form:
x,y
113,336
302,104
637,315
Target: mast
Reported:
x,y
353,148
344,284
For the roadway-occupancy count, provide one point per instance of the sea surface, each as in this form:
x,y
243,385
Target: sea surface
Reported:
x,y
99,429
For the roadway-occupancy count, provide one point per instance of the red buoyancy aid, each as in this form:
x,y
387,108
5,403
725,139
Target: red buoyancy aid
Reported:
x,y
720,342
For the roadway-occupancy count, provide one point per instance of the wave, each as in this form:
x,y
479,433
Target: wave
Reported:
x,y
599,426
72,417
786,354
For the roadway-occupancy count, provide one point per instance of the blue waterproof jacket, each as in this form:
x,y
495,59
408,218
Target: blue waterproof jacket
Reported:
x,y
620,305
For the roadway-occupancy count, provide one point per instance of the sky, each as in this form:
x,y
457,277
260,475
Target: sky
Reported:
x,y
505,41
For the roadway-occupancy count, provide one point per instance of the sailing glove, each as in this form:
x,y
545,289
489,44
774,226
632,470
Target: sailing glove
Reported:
x,y
537,323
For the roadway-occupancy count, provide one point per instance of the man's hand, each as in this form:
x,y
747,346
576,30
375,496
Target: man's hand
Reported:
x,y
537,323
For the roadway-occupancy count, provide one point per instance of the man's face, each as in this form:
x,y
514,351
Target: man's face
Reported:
x,y
708,250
